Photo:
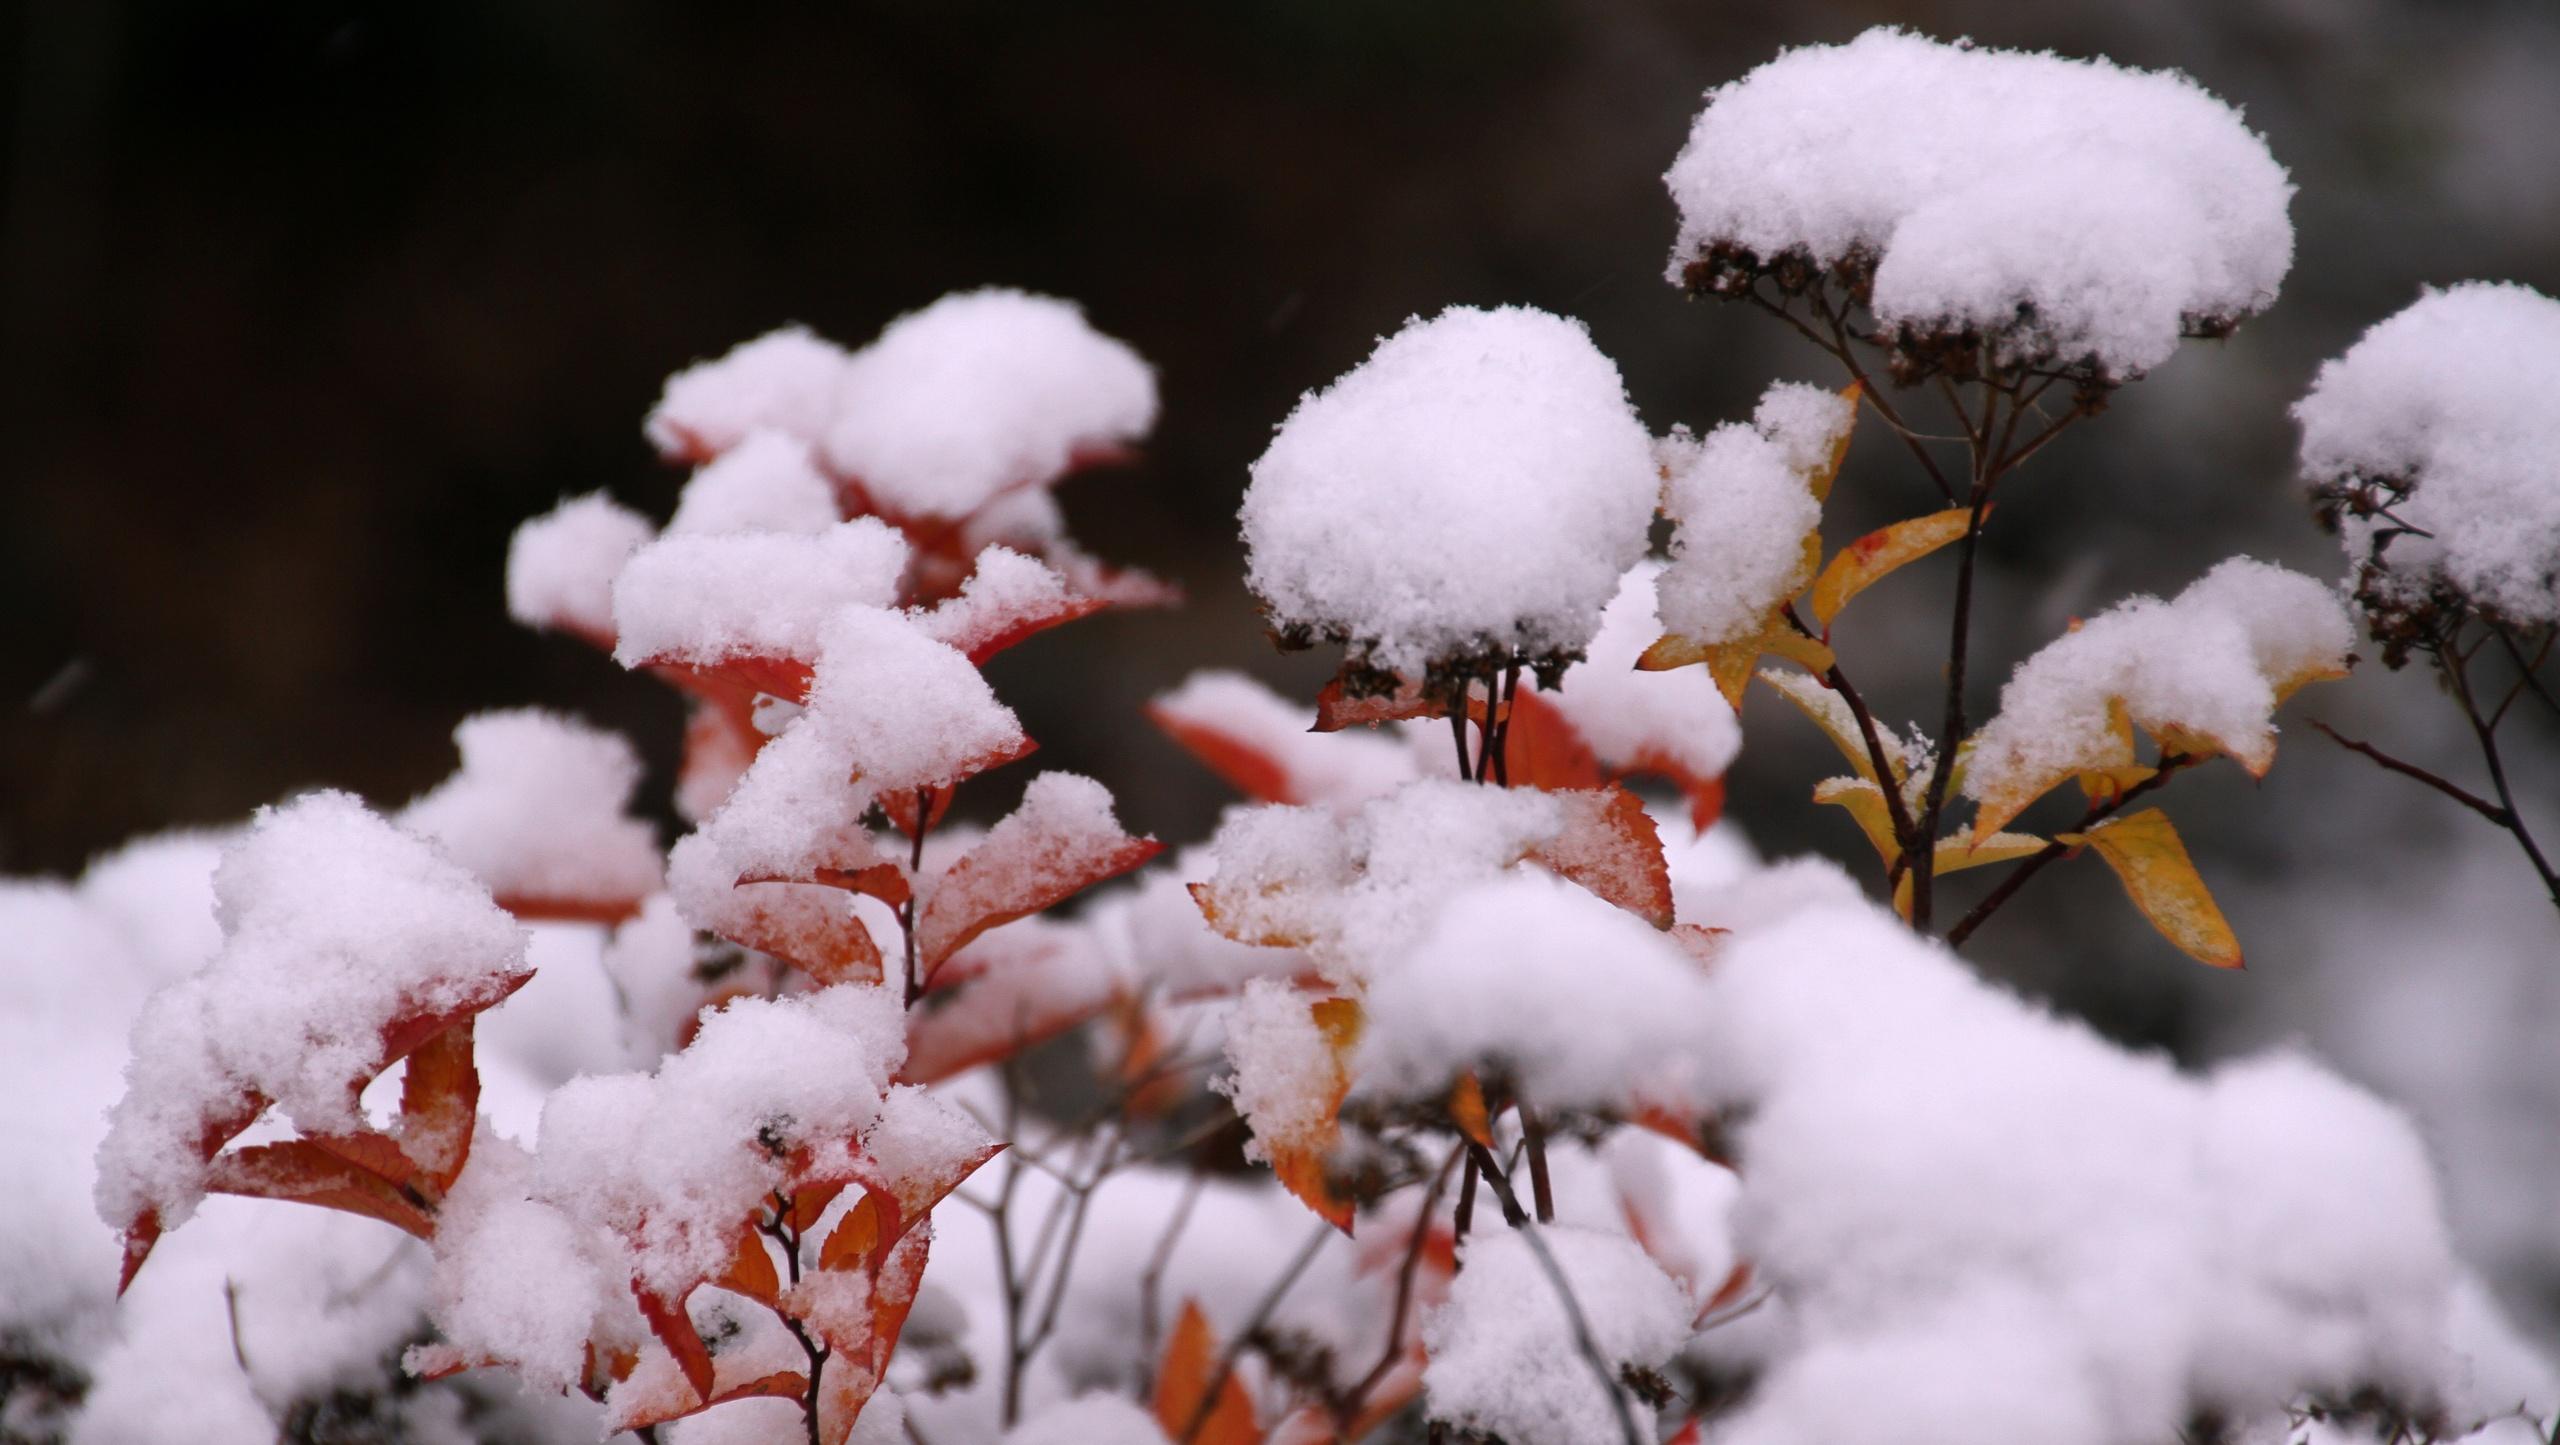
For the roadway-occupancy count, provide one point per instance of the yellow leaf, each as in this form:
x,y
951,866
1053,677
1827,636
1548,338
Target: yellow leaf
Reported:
x,y
2147,855
1730,663
1956,854
1993,811
1866,803
1811,654
2286,687
1829,713
1871,558
1823,476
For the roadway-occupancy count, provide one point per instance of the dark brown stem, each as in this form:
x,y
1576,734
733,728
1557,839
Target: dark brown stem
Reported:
x,y
2515,824
2455,791
915,880
1581,1324
1252,1326
1464,1221
1923,850
1359,1394
1534,1137
1877,757
780,1231
1488,732
1502,740
1458,730
2036,862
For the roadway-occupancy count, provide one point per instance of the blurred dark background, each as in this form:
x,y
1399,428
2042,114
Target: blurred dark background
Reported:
x,y
306,305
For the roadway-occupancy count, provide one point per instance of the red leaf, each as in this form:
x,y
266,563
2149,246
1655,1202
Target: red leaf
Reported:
x,y
300,1171
1059,843
1542,749
1337,709
990,631
1245,768
674,1329
439,1105
1705,794
829,945
1015,989
1609,846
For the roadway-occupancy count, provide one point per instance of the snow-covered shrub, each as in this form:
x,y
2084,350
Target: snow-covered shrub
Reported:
x,y
1586,1125
2432,451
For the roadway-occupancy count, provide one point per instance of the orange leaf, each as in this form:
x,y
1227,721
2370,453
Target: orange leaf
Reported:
x,y
1299,1162
2148,856
1467,1111
1873,557
1205,896
1183,1381
302,1172
1008,991
1611,847
852,1242
751,1272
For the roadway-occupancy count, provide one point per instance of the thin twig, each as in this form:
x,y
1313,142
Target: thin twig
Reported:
x,y
2036,862
2455,791
1151,1281
1253,1323
1534,1139
1582,1337
1394,1351
2515,823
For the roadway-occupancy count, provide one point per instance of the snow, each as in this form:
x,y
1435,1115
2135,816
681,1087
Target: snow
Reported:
x,y
1479,483
890,710
1004,588
561,565
1086,1420
335,925
2212,664
1742,505
2117,209
979,393
768,482
1935,1175
537,811
784,380
1533,980
1046,847
1504,1358
518,1280
673,1162
1354,890
707,599
2451,397
1635,719
1167,941
1283,1071
1340,770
